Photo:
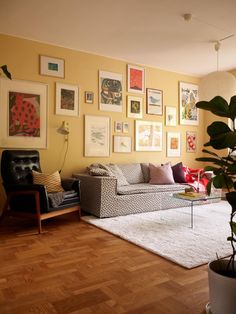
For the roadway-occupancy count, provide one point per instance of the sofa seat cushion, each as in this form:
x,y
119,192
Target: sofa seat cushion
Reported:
x,y
132,172
149,188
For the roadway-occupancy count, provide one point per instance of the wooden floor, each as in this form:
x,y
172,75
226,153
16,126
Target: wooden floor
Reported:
x,y
77,268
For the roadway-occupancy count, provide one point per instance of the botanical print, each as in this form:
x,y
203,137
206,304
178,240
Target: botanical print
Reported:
x,y
173,144
188,98
122,144
135,107
136,79
171,116
24,114
110,94
191,141
154,101
97,136
67,99
148,136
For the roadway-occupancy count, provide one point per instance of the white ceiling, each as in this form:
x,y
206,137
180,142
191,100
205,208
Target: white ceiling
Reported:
x,y
150,32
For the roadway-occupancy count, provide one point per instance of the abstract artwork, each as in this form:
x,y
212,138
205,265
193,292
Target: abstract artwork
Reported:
x,y
135,107
173,144
122,144
67,99
191,141
148,136
188,97
24,114
97,136
52,66
136,79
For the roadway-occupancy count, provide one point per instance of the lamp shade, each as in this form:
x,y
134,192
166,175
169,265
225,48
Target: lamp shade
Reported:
x,y
218,83
64,128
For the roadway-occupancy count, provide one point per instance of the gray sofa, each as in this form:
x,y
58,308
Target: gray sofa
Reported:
x,y
103,196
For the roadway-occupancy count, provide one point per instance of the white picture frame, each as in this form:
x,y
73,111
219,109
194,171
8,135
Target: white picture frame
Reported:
x,y
23,112
148,136
110,91
134,107
97,136
135,79
118,126
67,99
188,97
173,144
171,116
122,144
51,66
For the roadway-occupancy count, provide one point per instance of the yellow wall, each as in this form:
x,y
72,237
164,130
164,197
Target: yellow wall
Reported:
x,y
22,58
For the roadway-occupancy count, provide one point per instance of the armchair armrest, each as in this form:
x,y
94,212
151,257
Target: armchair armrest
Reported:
x,y
70,184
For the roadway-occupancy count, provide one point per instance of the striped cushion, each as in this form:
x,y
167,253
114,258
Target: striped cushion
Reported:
x,y
52,181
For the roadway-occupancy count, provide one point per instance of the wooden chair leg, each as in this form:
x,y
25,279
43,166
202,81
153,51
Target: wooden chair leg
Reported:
x,y
38,214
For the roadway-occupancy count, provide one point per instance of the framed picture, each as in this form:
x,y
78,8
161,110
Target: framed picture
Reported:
x,y
23,113
110,91
136,79
118,127
67,99
134,107
52,66
125,127
97,136
171,116
89,96
188,97
122,144
154,101
148,136
173,144
191,141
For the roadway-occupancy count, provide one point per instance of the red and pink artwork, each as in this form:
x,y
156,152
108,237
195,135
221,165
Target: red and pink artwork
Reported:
x,y
191,142
136,79
24,114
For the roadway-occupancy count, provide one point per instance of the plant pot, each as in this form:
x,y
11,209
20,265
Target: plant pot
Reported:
x,y
222,289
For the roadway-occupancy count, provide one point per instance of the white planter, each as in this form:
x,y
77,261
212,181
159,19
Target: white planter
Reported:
x,y
222,289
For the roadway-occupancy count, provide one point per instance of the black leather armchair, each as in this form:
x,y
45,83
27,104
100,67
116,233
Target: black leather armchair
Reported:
x,y
24,197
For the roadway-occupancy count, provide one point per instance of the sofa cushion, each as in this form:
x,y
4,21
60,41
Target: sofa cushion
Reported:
x,y
132,172
52,181
161,174
116,171
178,173
149,188
145,171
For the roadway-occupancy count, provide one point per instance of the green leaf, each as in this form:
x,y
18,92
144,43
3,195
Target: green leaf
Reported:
x,y
222,181
211,168
217,105
227,140
233,227
5,71
218,128
232,108
231,239
232,169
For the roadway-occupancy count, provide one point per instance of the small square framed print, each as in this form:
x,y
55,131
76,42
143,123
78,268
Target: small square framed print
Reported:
x,y
52,66
89,96
135,107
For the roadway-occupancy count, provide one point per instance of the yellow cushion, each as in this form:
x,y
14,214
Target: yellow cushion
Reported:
x,y
51,181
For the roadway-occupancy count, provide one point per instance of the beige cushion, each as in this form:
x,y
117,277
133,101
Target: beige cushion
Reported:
x,y
52,181
161,174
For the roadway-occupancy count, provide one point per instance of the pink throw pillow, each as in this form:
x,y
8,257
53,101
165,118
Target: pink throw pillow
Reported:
x,y
161,174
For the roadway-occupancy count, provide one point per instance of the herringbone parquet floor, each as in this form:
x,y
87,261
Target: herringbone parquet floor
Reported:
x,y
77,268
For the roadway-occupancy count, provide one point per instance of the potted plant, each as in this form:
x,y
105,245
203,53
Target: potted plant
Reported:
x,y
222,272
5,71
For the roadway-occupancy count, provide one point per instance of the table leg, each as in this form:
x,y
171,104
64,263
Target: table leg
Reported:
x,y
191,214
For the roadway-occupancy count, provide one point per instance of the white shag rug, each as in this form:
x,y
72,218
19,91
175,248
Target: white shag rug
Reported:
x,y
168,232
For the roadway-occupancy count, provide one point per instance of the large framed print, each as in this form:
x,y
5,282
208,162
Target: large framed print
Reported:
x,y
188,97
67,99
110,91
154,101
23,112
136,79
52,66
97,136
148,135
173,144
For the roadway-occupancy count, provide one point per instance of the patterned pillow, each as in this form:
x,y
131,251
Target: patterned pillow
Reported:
x,y
132,172
161,174
121,180
52,181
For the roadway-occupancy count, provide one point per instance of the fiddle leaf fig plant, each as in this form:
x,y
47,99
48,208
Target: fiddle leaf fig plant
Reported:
x,y
223,136
5,71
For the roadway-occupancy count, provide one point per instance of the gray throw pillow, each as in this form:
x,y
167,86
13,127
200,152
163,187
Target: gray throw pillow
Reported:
x,y
121,180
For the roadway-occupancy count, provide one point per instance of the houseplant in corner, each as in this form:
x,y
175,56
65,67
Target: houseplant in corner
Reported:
x,y
222,272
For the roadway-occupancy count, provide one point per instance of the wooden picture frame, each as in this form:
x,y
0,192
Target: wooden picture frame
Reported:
x,y
52,66
134,107
122,144
23,111
97,136
154,101
67,99
188,97
136,79
173,144
148,136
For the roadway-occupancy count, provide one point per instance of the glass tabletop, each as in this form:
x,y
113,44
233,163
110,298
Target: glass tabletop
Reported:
x,y
194,196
